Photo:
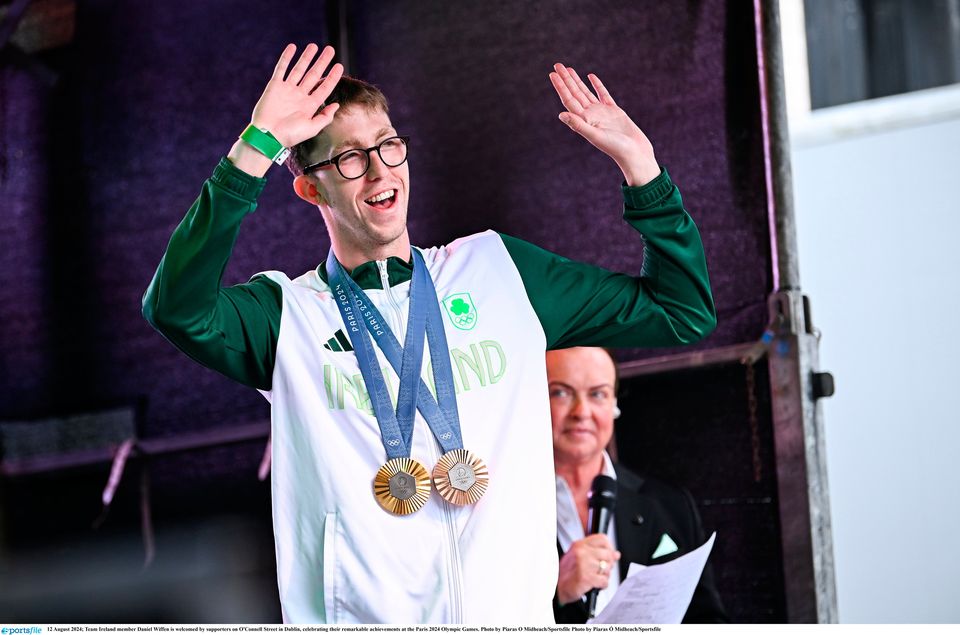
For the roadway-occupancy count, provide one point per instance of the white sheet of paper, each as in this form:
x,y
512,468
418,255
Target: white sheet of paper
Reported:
x,y
657,594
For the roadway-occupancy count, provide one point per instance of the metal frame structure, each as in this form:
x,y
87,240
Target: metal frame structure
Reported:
x,y
791,347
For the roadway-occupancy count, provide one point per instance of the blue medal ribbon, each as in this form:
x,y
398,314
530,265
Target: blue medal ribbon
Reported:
x,y
425,318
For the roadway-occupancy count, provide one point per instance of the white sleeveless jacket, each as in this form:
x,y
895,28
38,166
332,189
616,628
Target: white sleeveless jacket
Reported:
x,y
340,557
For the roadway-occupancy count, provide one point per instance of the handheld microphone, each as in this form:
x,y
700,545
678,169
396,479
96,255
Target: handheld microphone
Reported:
x,y
600,503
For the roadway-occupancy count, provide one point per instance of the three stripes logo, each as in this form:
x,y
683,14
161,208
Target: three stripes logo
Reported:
x,y
339,343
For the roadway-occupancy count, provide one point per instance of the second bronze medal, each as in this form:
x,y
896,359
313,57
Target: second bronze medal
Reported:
x,y
461,477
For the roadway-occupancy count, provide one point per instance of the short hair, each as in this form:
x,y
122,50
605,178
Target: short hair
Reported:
x,y
348,92
616,369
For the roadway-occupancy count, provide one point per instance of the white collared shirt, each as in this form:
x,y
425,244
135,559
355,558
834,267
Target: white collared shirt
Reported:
x,y
570,530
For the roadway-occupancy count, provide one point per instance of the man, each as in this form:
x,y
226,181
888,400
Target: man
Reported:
x,y
653,522
475,534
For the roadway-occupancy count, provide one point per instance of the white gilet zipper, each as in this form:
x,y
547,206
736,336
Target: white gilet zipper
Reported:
x,y
401,326
454,565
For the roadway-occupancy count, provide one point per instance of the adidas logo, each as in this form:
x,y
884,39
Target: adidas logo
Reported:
x,y
339,343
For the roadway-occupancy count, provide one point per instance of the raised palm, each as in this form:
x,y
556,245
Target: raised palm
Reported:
x,y
597,118
289,104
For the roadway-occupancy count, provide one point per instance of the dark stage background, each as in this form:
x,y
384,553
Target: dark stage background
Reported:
x,y
97,168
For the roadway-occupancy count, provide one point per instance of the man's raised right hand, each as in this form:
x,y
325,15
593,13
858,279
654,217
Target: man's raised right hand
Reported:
x,y
289,104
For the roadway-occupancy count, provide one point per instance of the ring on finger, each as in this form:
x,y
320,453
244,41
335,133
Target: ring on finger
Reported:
x,y
602,566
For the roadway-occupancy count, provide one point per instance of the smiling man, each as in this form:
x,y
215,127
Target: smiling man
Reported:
x,y
408,491
363,202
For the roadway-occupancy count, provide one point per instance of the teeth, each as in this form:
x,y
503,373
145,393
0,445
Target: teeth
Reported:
x,y
382,196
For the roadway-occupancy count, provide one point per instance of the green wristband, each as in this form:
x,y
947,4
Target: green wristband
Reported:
x,y
265,143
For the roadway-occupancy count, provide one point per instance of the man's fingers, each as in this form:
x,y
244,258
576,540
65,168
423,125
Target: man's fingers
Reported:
x,y
300,68
315,73
324,118
601,90
577,124
281,68
583,87
571,85
320,92
568,101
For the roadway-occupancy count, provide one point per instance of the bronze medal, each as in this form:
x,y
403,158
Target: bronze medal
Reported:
x,y
461,477
402,486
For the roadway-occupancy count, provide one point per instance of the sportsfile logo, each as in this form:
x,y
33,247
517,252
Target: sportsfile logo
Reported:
x,y
21,630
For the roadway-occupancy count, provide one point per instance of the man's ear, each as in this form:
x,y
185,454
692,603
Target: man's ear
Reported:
x,y
306,189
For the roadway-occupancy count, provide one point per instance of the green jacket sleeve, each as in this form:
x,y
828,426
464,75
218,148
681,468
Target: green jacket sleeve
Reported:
x,y
669,303
232,330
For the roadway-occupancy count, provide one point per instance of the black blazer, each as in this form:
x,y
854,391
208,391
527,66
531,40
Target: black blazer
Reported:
x,y
646,509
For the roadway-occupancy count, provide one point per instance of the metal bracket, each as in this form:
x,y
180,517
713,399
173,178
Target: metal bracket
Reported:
x,y
807,542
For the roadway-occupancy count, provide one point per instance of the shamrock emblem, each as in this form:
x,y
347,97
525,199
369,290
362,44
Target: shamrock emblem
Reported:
x,y
461,310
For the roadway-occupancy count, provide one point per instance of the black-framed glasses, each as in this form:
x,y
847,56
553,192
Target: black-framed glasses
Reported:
x,y
354,163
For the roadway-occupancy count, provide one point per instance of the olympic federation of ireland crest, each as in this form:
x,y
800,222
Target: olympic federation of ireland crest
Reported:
x,y
461,310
